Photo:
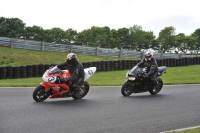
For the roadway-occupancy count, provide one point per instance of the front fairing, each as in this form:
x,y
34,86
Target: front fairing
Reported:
x,y
133,72
47,78
52,74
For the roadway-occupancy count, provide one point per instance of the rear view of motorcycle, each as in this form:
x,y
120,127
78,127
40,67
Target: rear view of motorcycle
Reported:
x,y
49,88
136,83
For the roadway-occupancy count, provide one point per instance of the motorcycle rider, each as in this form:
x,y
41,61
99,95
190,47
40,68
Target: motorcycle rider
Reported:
x,y
151,64
75,68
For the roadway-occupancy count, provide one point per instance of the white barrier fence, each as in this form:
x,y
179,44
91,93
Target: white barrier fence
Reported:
x,y
44,46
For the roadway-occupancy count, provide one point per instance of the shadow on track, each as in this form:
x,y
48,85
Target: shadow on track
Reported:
x,y
66,103
146,96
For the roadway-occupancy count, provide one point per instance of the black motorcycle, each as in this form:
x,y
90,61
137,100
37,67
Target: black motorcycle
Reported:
x,y
136,83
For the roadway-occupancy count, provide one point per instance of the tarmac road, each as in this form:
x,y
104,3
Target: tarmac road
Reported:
x,y
103,110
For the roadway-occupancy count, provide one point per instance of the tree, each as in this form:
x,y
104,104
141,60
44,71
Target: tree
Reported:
x,y
11,27
141,39
124,38
70,36
135,28
2,19
192,44
179,45
33,33
196,46
100,36
4,27
83,38
166,39
54,35
95,37
114,40
104,37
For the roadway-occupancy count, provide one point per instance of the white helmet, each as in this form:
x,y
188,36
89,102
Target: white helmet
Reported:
x,y
149,54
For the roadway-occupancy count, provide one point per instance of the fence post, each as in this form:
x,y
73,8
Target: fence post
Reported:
x,y
142,54
42,43
97,50
180,56
71,48
161,54
120,53
11,43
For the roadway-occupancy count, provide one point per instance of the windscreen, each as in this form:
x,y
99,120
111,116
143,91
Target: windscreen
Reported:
x,y
54,70
134,71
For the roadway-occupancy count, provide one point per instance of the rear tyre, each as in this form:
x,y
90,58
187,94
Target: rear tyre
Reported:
x,y
82,91
39,95
126,89
156,88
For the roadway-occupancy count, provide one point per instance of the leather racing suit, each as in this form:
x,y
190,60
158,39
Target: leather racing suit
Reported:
x,y
152,68
77,71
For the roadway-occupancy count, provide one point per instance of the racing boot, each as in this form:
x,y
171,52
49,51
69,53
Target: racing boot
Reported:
x,y
153,82
72,91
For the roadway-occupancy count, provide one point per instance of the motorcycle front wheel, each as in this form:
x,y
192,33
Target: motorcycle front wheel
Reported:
x,y
82,91
126,89
39,95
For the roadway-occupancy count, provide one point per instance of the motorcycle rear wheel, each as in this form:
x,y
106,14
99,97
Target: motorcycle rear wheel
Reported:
x,y
39,95
82,91
156,88
126,89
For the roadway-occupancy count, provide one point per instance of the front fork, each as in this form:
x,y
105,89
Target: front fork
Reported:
x,y
132,85
45,85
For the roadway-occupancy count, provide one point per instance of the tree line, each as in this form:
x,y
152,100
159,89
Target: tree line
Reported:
x,y
132,38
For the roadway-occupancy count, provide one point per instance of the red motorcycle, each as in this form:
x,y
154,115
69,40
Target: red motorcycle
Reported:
x,y
49,88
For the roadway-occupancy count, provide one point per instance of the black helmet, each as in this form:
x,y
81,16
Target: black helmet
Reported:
x,y
71,59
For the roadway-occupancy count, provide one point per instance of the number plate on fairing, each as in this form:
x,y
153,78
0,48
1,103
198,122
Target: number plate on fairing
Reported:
x,y
89,72
51,79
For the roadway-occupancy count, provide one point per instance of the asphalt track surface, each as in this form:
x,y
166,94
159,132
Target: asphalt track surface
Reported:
x,y
103,110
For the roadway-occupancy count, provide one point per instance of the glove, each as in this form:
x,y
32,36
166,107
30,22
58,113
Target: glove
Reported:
x,y
63,80
57,80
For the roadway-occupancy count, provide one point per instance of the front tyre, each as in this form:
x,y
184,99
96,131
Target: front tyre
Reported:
x,y
126,89
82,91
39,95
156,88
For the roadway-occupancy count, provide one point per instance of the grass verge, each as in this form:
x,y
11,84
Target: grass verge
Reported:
x,y
21,57
195,130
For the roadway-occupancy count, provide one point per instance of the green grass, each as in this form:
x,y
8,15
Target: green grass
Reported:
x,y
195,130
18,57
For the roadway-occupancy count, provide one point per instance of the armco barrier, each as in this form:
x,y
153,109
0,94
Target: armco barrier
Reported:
x,y
13,72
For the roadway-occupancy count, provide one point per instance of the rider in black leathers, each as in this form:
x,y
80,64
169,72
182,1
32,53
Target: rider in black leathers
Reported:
x,y
151,64
75,68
